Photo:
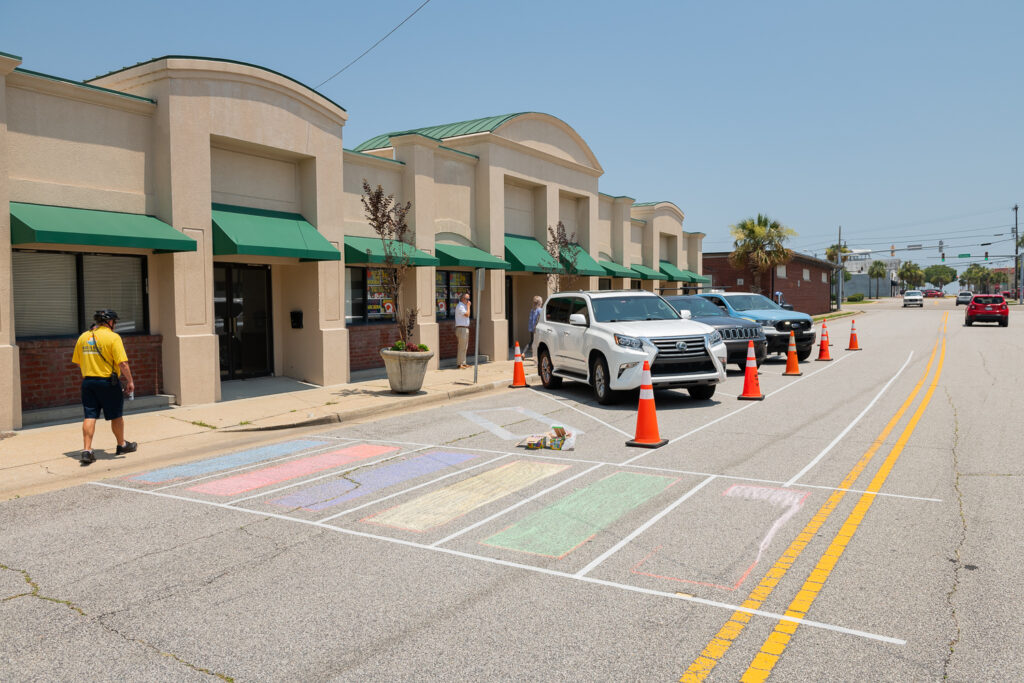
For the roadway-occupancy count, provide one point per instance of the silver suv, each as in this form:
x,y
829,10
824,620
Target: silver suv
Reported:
x,y
604,337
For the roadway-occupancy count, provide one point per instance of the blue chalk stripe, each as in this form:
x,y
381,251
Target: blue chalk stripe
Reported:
x,y
226,462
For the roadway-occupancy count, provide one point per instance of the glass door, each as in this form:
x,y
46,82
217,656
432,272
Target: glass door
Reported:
x,y
241,302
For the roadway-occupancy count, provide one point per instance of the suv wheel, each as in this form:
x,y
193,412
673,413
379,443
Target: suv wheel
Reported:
x,y
804,353
601,382
547,377
702,392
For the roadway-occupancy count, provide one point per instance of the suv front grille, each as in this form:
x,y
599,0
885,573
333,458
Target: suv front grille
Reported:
x,y
673,360
795,325
733,333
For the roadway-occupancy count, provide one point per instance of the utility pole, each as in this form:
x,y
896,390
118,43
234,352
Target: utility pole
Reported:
x,y
1016,259
839,271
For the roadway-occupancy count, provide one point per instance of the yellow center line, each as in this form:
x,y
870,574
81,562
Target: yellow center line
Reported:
x,y
773,647
715,650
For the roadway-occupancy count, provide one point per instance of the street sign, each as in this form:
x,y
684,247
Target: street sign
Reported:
x,y
963,256
913,246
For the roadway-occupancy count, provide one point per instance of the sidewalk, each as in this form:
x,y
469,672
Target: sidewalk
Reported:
x,y
41,459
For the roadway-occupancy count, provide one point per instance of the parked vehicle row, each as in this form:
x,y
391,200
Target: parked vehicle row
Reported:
x,y
602,338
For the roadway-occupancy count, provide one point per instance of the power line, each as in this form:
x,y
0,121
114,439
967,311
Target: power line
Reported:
x,y
342,69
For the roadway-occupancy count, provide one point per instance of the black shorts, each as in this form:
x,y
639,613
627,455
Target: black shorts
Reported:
x,y
99,394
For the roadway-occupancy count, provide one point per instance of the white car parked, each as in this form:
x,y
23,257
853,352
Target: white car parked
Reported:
x,y
604,337
913,297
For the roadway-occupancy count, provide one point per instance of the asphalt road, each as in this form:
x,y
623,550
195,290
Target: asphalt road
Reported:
x,y
863,522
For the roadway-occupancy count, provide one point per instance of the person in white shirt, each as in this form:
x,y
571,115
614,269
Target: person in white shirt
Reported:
x,y
462,328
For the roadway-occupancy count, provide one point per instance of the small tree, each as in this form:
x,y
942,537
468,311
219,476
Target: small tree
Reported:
x,y
939,275
388,220
875,271
759,243
562,247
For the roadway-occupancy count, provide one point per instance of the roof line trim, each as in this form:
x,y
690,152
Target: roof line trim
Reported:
x,y
81,84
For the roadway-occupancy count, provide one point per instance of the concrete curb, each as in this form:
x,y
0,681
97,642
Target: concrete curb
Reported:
x,y
418,402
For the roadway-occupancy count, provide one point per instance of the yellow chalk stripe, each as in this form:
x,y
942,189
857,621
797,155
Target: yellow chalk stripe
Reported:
x,y
701,668
442,506
769,649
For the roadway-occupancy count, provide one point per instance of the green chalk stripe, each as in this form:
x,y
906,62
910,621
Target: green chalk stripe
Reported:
x,y
560,528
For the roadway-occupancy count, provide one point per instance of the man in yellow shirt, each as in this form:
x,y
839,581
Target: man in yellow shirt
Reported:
x,y
100,355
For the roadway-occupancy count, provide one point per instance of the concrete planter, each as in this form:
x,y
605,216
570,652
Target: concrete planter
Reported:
x,y
406,369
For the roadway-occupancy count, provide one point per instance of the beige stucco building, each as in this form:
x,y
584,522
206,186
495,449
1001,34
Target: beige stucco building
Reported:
x,y
212,203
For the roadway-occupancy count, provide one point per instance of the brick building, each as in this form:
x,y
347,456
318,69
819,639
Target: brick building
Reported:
x,y
805,282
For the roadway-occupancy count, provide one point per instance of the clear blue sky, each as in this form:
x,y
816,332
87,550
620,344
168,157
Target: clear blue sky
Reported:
x,y
901,121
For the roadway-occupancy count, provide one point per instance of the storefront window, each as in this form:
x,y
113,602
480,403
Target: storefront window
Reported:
x,y
604,283
55,294
449,285
378,305
636,284
355,295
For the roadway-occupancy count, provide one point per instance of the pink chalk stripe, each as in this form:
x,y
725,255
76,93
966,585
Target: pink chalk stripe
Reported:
x,y
247,481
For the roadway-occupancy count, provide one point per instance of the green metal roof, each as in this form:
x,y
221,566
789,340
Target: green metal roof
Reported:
x,y
584,265
460,255
618,270
527,254
374,156
371,250
42,224
447,130
646,273
258,232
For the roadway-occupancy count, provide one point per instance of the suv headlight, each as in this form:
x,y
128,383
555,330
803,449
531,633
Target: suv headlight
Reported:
x,y
765,323
714,338
629,342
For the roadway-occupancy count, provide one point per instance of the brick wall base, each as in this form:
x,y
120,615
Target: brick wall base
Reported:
x,y
366,341
49,378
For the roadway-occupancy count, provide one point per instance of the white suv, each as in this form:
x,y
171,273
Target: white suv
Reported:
x,y
603,338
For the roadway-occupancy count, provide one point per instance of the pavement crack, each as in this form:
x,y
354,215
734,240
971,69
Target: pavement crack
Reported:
x,y
35,591
163,653
956,559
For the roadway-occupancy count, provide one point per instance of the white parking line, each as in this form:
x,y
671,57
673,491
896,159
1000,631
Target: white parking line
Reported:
x,y
774,616
735,412
643,527
850,426
551,456
513,507
572,407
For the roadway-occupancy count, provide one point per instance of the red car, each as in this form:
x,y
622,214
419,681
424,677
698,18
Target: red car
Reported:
x,y
987,308
933,293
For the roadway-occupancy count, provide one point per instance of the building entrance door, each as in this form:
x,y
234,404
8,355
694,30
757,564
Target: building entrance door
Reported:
x,y
241,304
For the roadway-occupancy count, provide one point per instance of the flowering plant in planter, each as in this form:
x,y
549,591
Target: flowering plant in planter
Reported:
x,y
405,361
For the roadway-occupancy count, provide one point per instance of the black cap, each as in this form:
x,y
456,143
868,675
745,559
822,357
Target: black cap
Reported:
x,y
105,314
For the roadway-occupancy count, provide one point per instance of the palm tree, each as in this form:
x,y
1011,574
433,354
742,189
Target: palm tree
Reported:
x,y
875,271
911,274
759,243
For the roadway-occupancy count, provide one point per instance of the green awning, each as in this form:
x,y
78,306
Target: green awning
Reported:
x,y
584,263
471,257
671,272
527,254
371,250
259,232
698,278
646,273
41,224
618,270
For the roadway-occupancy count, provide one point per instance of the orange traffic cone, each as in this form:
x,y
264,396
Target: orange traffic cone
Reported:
x,y
751,387
792,363
823,353
518,374
854,346
646,418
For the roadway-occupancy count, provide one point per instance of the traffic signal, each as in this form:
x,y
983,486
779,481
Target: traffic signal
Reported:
x,y
943,257
892,250
986,256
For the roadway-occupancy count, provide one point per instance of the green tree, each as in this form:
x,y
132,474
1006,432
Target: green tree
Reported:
x,y
875,271
911,274
760,244
830,253
939,275
977,275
